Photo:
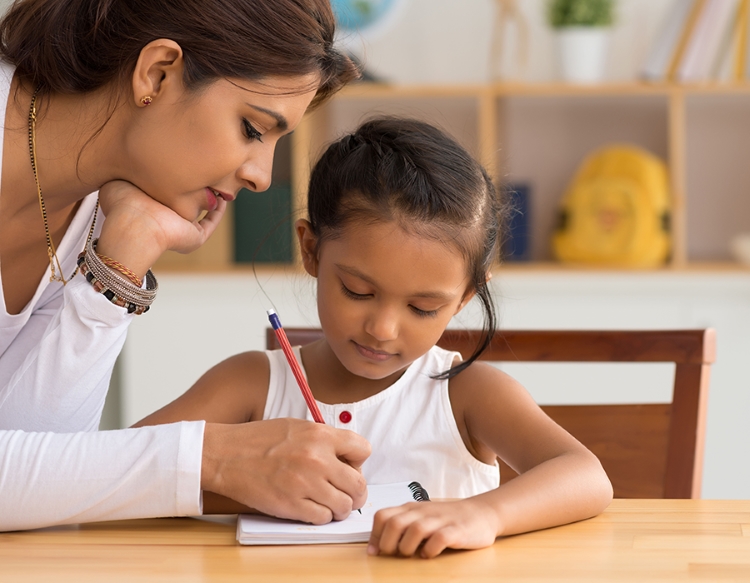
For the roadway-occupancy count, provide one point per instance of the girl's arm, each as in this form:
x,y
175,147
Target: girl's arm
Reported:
x,y
285,467
233,391
560,481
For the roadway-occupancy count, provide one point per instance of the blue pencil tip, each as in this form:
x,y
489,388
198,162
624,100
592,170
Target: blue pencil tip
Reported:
x,y
274,319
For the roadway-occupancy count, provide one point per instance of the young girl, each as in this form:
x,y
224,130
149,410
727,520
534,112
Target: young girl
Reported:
x,y
402,233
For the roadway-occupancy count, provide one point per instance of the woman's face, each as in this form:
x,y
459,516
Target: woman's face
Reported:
x,y
186,149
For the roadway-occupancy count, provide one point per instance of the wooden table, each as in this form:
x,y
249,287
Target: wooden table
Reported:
x,y
634,540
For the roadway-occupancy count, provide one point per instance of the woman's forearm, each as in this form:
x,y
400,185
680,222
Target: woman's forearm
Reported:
x,y
55,374
92,476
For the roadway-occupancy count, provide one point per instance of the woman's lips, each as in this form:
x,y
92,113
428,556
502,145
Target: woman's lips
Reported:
x,y
211,199
212,195
225,195
372,354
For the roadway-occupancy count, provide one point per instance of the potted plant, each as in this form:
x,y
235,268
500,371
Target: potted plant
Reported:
x,y
583,28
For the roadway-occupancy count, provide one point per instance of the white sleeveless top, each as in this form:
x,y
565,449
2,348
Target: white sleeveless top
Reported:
x,y
410,426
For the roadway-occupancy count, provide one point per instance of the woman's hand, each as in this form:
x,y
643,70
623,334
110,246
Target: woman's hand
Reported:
x,y
139,229
431,527
288,468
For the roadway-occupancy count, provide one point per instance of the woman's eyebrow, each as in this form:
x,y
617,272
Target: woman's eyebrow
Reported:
x,y
281,122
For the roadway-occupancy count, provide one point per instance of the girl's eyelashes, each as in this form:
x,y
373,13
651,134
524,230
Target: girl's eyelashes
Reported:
x,y
250,132
355,296
349,293
424,313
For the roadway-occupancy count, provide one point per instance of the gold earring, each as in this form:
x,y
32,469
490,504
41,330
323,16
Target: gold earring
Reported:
x,y
146,100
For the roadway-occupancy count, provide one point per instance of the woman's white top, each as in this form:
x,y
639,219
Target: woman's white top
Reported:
x,y
56,359
410,426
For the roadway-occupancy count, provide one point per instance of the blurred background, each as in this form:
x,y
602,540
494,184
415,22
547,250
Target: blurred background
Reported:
x,y
451,41
660,93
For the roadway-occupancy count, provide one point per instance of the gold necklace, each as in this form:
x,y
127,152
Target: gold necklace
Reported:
x,y
56,273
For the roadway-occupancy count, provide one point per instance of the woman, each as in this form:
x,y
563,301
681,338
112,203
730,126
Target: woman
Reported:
x,y
167,109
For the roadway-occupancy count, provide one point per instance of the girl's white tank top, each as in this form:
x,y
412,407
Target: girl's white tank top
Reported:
x,y
410,426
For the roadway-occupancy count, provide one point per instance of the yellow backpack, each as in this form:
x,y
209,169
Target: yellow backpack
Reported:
x,y
616,210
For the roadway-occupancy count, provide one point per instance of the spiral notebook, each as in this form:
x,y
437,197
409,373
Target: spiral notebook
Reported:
x,y
255,529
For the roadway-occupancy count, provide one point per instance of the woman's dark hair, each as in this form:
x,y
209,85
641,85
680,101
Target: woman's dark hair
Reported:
x,y
76,46
394,169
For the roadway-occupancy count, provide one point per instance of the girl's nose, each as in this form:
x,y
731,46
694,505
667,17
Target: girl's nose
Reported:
x,y
382,325
255,173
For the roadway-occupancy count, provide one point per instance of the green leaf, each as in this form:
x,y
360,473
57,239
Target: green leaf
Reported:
x,y
561,13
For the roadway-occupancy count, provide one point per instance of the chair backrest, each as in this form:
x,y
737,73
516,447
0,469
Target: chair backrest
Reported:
x,y
648,450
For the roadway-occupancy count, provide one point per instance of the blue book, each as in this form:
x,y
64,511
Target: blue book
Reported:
x,y
517,243
263,226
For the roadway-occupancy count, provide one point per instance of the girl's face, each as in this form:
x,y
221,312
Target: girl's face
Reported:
x,y
185,150
385,295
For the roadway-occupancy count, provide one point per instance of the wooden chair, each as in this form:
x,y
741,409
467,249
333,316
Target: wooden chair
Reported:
x,y
648,450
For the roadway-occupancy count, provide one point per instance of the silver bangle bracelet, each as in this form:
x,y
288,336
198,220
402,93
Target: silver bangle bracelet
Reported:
x,y
115,288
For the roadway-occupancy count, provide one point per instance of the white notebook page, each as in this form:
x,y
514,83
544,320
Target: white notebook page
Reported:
x,y
266,530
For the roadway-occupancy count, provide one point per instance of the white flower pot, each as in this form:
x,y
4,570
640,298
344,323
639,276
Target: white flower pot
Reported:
x,y
583,53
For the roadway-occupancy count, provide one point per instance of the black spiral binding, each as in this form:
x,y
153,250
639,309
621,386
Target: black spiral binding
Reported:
x,y
419,493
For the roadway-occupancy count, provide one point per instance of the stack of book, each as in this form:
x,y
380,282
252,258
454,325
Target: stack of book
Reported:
x,y
701,41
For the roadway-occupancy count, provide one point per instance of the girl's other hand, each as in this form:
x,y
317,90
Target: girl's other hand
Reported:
x,y
138,229
428,528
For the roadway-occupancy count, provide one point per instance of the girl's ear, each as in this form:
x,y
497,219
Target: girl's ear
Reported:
x,y
159,67
470,293
308,243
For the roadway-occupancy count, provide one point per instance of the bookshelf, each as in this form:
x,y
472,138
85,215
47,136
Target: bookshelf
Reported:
x,y
535,133
538,134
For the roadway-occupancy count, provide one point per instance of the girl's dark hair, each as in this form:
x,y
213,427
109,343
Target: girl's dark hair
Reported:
x,y
76,46
404,170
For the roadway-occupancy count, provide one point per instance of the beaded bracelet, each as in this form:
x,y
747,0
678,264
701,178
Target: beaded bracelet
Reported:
x,y
117,290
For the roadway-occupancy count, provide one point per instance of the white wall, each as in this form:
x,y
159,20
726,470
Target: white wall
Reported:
x,y
449,41
198,321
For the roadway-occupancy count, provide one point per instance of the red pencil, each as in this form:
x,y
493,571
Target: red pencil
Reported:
x,y
294,365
